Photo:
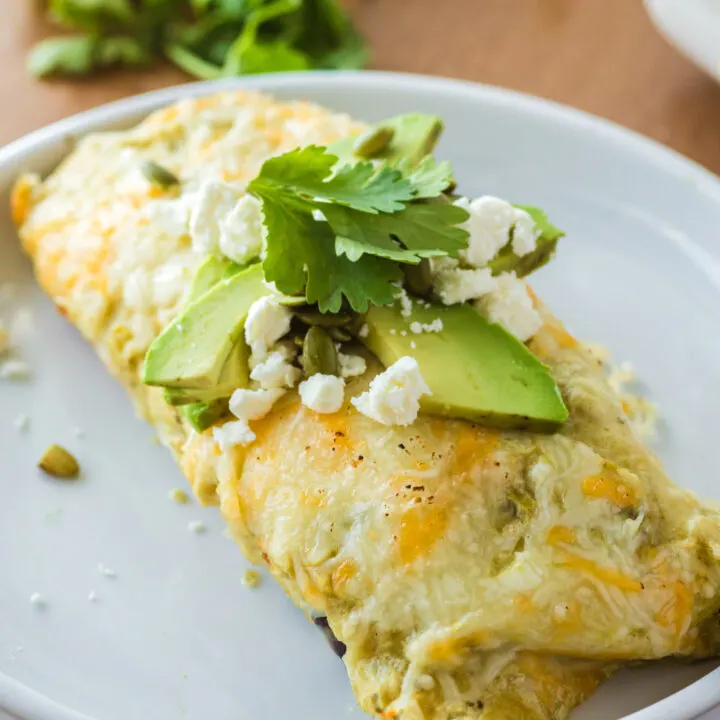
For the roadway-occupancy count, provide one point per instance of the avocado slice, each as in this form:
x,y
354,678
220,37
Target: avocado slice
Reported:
x,y
205,408
204,415
204,348
475,369
415,137
211,271
507,261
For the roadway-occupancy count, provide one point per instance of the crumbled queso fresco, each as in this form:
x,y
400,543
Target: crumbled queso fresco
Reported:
x,y
394,396
223,221
503,299
273,371
323,393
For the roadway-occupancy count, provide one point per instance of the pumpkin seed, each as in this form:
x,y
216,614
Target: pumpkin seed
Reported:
x,y
418,278
58,462
158,175
326,320
319,353
339,334
373,141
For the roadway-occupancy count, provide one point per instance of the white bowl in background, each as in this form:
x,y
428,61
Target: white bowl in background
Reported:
x,y
693,27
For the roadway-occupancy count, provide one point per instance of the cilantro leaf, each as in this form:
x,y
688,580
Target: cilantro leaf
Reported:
x,y
300,258
429,178
370,280
308,173
345,234
417,232
292,236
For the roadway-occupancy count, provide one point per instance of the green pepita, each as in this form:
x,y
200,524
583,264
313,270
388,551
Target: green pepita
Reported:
x,y
158,175
319,353
418,278
339,334
372,142
58,462
326,320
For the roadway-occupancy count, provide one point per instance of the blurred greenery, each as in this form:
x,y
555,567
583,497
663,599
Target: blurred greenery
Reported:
x,y
206,38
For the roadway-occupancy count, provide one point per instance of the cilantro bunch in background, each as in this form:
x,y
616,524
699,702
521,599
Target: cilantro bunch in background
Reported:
x,y
205,38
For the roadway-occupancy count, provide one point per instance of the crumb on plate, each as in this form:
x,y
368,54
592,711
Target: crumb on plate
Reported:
x,y
252,579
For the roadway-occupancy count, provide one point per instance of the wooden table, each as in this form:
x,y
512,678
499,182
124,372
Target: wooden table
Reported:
x,y
603,56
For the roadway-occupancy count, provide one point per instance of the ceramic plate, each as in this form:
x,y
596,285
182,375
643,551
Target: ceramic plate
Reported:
x,y
693,26
175,634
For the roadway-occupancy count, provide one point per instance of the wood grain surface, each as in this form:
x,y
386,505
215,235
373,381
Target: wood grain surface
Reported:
x,y
603,56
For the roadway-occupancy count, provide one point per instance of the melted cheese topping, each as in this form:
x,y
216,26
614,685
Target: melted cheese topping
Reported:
x,y
470,573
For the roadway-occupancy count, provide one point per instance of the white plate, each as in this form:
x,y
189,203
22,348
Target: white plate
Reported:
x,y
693,26
176,635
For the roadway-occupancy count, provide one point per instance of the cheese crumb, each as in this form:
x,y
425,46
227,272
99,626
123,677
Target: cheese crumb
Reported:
x,y
197,527
14,370
106,571
252,579
245,405
394,395
242,231
489,226
435,326
525,233
212,204
351,365
459,286
233,433
170,217
179,496
323,393
38,601
406,304
276,372
511,306
253,404
266,323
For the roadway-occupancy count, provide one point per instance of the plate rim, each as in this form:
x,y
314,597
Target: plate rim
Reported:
x,y
686,704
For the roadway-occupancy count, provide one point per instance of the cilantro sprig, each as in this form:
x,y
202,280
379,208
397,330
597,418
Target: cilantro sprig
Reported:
x,y
346,233
205,38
